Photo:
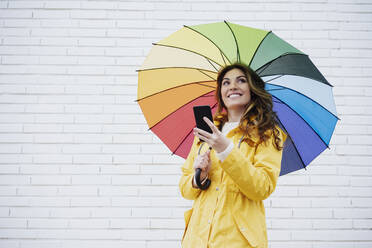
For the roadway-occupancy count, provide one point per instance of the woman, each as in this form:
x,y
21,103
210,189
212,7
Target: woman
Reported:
x,y
243,165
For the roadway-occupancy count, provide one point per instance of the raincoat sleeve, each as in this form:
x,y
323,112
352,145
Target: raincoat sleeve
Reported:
x,y
185,184
257,179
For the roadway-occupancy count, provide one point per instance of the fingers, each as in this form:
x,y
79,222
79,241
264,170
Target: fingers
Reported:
x,y
202,161
211,125
202,132
206,138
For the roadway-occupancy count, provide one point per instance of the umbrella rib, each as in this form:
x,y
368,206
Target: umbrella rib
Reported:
x,y
236,42
286,88
294,144
283,88
224,61
280,101
265,66
206,85
200,83
155,44
206,75
210,41
211,64
187,136
174,152
279,76
258,48
205,95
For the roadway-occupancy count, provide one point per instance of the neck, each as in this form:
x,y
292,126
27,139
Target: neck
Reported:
x,y
235,115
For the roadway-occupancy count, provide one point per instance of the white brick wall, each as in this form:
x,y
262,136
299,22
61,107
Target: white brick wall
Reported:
x,y
78,167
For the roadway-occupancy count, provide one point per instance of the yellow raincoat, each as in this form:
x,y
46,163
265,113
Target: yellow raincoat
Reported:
x,y
230,213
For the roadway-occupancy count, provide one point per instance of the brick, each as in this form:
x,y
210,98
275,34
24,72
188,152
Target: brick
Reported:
x,y
327,235
94,119
312,213
50,14
11,13
331,202
49,202
42,108
81,108
25,5
96,61
58,60
21,23
43,128
110,212
39,169
10,148
97,23
9,244
155,212
291,223
53,138
77,191
290,202
90,201
89,223
83,128
361,181
90,180
48,223
50,180
134,223
37,190
92,159
88,14
92,138
70,212
34,212
118,190
10,128
131,180
140,6
78,149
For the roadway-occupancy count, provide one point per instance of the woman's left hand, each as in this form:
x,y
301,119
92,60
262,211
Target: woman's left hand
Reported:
x,y
216,140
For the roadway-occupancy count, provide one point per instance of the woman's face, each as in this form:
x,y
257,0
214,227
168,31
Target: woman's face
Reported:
x,y
235,91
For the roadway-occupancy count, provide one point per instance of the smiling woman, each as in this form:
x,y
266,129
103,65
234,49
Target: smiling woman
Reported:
x,y
243,164
235,93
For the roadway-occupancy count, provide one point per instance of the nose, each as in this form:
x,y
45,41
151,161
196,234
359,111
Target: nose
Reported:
x,y
233,85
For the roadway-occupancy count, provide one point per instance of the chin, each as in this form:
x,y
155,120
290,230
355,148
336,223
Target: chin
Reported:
x,y
236,106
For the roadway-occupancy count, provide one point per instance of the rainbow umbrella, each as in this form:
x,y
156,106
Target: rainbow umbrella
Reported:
x,y
181,70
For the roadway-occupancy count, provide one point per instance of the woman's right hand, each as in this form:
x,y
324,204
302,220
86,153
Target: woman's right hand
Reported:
x,y
203,162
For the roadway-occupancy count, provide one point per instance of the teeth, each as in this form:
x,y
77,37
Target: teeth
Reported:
x,y
234,95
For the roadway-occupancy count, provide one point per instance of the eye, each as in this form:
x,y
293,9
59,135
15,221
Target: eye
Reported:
x,y
242,80
225,83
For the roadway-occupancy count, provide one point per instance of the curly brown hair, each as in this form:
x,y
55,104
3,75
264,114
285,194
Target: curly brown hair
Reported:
x,y
258,116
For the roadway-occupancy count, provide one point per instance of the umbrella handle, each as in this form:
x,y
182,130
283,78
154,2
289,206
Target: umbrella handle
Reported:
x,y
197,180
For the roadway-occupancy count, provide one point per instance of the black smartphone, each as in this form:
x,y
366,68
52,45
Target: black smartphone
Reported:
x,y
199,113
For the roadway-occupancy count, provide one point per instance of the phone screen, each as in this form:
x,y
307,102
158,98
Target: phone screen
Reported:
x,y
199,113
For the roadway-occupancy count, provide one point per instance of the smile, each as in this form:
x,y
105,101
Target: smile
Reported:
x,y
234,95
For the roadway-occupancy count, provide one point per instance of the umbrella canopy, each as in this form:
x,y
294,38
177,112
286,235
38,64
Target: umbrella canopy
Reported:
x,y
181,72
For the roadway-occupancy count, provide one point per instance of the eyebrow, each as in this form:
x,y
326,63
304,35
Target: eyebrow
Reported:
x,y
237,77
